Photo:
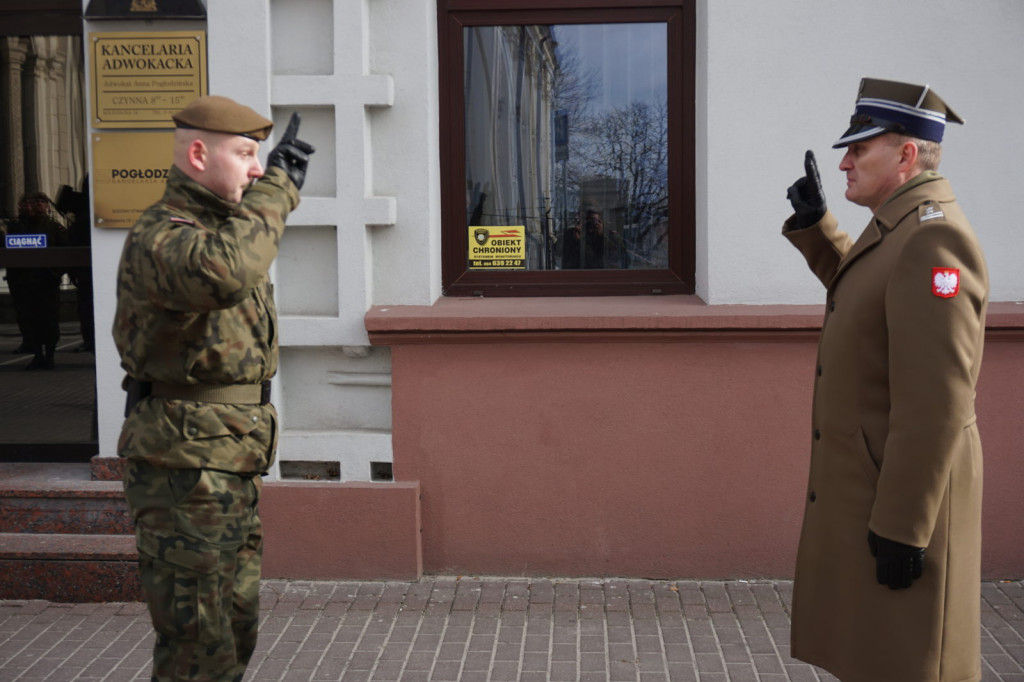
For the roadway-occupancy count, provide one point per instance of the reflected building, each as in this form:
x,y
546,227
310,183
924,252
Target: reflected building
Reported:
x,y
42,145
509,94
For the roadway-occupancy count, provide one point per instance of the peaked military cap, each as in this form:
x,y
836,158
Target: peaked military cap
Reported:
x,y
893,107
223,115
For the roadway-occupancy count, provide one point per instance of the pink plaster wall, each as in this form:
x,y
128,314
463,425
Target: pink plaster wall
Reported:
x,y
999,406
353,531
641,459
670,459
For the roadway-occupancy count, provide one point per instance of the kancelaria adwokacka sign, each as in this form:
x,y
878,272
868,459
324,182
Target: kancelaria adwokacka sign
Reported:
x,y
140,79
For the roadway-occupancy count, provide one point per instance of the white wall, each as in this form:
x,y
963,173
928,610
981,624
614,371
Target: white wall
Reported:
x,y
782,77
406,163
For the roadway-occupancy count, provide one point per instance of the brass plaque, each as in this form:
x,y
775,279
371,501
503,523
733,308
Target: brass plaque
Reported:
x,y
129,173
140,79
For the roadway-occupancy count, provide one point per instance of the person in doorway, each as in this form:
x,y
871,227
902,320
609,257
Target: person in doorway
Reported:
x,y
196,328
36,290
887,585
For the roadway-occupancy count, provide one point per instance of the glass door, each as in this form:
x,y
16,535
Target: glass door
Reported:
x,y
47,360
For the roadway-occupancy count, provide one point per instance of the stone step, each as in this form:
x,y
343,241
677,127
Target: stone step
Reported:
x,y
65,537
98,509
69,567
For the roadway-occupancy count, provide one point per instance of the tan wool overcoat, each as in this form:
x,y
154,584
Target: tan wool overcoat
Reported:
x,y
894,443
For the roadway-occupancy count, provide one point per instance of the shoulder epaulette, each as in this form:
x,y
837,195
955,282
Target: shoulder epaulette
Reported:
x,y
929,211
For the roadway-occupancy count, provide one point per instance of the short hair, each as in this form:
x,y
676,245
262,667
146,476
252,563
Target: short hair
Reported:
x,y
929,153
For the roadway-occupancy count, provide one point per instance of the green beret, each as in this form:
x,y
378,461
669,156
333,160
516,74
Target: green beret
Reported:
x,y
223,115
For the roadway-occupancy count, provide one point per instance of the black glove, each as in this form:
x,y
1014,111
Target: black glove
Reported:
x,y
806,195
291,154
897,565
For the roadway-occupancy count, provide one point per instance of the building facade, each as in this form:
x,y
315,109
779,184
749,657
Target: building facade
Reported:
x,y
648,418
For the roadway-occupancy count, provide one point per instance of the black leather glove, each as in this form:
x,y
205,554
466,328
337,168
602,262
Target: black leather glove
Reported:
x,y
806,195
291,154
897,565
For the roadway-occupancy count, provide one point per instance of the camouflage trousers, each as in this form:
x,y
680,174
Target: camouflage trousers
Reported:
x,y
200,543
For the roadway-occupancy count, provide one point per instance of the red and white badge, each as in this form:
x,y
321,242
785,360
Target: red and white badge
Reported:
x,y
946,282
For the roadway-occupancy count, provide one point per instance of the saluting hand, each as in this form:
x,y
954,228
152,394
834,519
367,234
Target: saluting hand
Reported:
x,y
806,195
292,154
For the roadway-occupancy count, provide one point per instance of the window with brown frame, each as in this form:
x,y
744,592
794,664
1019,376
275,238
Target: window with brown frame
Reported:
x,y
567,157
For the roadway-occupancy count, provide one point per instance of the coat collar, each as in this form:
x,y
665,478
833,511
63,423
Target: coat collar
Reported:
x,y
185,194
927,185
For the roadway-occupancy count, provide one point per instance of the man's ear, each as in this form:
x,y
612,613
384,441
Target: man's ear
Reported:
x,y
908,156
196,154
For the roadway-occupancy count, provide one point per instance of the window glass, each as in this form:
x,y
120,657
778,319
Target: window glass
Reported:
x,y
566,135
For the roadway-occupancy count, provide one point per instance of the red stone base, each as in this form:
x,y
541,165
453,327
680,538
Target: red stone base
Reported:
x,y
107,468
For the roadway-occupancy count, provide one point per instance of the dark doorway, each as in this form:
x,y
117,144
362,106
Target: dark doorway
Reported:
x,y
47,357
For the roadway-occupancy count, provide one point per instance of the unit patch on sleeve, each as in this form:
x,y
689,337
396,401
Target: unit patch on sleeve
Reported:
x,y
945,282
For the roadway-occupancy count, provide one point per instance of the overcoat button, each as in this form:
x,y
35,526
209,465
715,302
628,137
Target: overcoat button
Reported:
x,y
831,306
819,370
817,434
813,496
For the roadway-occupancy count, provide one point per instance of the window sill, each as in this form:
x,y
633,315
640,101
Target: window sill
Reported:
x,y
600,319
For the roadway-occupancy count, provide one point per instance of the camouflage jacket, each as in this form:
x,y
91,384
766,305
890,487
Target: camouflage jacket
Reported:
x,y
195,305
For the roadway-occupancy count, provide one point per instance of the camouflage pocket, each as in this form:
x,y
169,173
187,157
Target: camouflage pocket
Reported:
x,y
173,520
190,527
205,420
185,601
150,434
181,434
229,437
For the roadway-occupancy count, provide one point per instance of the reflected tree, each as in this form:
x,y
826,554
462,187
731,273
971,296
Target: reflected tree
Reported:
x,y
625,147
630,145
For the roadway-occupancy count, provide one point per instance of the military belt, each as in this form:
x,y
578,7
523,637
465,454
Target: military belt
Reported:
x,y
230,394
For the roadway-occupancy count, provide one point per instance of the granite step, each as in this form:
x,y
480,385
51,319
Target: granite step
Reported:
x,y
65,537
69,567
86,510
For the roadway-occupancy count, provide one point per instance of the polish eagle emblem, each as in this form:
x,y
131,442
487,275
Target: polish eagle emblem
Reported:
x,y
945,282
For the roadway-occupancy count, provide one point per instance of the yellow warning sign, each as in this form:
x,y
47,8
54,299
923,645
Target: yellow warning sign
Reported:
x,y
494,248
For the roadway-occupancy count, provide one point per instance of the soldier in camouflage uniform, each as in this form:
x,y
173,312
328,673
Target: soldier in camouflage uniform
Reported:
x,y
196,328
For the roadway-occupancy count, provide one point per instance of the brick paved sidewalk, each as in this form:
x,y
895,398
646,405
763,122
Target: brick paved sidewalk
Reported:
x,y
480,629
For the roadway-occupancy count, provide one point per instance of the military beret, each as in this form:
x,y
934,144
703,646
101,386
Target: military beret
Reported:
x,y
223,115
893,107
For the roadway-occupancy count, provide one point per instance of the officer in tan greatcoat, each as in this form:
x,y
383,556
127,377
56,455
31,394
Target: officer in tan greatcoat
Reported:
x,y
196,328
887,585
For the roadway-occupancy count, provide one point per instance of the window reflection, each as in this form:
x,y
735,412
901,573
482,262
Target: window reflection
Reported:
x,y
567,135
47,414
